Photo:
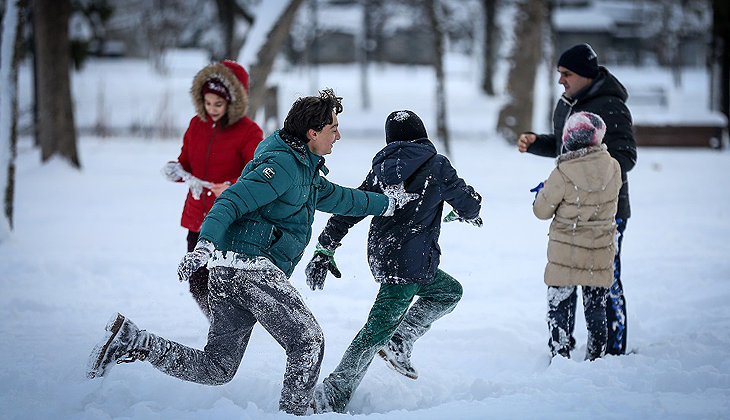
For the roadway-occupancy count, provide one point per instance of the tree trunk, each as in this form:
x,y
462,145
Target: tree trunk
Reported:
x,y
438,64
228,12
365,41
56,131
490,45
226,19
12,24
266,55
515,116
720,58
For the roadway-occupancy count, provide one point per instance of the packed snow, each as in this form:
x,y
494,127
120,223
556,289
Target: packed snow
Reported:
x,y
107,238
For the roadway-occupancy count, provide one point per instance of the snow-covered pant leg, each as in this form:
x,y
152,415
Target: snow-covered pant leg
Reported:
x,y
198,281
228,337
616,307
571,322
594,307
280,309
435,299
560,318
386,314
240,298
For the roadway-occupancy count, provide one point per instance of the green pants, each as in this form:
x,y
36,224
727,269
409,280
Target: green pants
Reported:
x,y
391,314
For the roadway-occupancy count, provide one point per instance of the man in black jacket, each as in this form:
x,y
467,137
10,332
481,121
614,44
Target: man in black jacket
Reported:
x,y
590,87
403,254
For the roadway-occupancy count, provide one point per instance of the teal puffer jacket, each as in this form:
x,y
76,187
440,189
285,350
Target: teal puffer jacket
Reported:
x,y
270,209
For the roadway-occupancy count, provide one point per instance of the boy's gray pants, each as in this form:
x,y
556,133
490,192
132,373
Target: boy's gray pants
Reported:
x,y
238,299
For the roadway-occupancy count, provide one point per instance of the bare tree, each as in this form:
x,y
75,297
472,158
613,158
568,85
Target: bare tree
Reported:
x,y
267,53
516,114
720,57
491,35
228,12
433,9
678,20
56,130
12,24
366,47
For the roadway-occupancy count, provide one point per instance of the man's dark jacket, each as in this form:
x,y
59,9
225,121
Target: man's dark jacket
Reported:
x,y
403,248
605,96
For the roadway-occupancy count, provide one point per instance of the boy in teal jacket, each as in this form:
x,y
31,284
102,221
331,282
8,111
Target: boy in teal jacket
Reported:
x,y
251,240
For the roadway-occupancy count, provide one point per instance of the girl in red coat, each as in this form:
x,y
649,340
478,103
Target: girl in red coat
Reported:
x,y
218,143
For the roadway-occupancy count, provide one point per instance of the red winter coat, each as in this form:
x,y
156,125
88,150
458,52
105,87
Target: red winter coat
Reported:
x,y
217,152
217,155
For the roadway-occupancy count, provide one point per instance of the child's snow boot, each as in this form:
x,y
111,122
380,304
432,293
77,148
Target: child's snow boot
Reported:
x,y
398,356
123,343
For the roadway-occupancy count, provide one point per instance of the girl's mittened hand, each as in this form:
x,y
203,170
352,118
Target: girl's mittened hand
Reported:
x,y
173,171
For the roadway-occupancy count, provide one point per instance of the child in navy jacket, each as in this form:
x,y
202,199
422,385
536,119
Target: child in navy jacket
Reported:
x,y
403,254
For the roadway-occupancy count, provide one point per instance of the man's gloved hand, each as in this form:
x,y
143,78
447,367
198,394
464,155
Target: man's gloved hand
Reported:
x,y
192,261
316,270
174,171
397,197
454,216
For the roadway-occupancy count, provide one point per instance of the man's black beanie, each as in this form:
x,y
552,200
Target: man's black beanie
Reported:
x,y
580,59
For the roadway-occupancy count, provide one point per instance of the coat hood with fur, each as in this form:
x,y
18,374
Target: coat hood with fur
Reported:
x,y
234,78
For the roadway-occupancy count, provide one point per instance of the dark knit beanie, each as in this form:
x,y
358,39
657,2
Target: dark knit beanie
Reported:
x,y
583,129
217,87
580,59
404,126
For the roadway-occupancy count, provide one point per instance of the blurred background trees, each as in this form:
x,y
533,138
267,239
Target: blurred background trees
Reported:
x,y
508,41
514,38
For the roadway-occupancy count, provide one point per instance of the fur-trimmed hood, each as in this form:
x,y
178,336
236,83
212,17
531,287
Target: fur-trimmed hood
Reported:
x,y
592,173
224,72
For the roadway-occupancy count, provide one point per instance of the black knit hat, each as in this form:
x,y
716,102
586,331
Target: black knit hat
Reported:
x,y
580,59
404,126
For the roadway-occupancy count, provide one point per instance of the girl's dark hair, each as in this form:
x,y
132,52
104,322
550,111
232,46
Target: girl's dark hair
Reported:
x,y
313,112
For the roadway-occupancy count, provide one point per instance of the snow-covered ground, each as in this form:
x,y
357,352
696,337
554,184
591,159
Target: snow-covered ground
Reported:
x,y
107,238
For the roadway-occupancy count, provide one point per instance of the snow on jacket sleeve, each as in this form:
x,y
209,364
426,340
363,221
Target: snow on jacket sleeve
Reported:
x,y
455,191
548,198
252,190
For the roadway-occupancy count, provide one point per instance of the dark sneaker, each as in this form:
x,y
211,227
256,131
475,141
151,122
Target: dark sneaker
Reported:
x,y
123,343
398,359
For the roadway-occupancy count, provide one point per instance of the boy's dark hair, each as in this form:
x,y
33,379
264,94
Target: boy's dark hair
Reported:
x,y
312,112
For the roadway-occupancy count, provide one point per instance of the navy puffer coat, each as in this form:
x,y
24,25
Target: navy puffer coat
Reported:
x,y
403,248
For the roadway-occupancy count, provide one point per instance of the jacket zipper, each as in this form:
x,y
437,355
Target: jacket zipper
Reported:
x,y
320,163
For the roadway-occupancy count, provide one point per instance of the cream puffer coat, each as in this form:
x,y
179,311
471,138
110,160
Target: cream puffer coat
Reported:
x,y
582,195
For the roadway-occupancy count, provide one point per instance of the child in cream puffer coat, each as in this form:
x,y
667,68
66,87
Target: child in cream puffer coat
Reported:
x,y
581,197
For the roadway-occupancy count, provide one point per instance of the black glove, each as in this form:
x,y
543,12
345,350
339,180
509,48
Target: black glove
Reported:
x,y
316,270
